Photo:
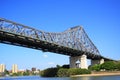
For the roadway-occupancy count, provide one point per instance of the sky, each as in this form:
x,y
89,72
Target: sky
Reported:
x,y
99,18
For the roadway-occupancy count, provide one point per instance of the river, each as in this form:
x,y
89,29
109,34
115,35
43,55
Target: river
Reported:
x,y
62,78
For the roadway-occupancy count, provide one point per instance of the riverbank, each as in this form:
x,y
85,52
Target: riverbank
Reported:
x,y
99,74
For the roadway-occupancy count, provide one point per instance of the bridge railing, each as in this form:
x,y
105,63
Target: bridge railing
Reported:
x,y
75,37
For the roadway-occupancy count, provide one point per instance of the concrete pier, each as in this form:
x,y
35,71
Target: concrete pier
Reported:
x,y
93,62
82,59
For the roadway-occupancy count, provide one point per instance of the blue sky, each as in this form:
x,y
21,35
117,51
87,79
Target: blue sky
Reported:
x,y
99,18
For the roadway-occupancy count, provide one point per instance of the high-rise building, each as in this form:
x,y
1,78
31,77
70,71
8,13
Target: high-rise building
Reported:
x,y
14,68
2,68
33,69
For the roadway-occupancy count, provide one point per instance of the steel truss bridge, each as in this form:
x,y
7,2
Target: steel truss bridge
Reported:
x,y
72,42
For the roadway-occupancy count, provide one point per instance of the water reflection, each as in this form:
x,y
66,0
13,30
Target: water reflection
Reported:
x,y
62,78
80,78
97,78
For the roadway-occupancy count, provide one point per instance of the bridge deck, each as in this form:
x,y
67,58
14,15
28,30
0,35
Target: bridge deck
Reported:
x,y
18,40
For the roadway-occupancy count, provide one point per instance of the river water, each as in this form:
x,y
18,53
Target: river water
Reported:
x,y
61,78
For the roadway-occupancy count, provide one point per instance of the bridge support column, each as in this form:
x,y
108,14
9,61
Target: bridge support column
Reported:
x,y
73,62
93,62
102,61
82,59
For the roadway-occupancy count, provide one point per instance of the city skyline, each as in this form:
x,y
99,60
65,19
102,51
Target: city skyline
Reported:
x,y
100,19
15,68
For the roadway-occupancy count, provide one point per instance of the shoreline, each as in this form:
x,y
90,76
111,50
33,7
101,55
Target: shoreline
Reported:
x,y
98,74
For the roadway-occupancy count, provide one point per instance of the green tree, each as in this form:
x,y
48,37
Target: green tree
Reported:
x,y
20,74
49,72
6,72
78,71
26,73
62,72
110,65
14,74
118,65
66,66
95,67
58,66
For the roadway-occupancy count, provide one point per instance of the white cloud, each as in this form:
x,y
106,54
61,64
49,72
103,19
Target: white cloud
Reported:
x,y
51,63
45,56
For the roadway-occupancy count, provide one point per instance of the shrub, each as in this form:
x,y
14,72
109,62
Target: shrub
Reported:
x,y
85,71
118,65
62,72
110,65
50,72
73,71
26,73
95,67
78,71
14,74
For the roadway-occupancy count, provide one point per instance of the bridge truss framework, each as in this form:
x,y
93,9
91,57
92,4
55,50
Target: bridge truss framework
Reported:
x,y
72,42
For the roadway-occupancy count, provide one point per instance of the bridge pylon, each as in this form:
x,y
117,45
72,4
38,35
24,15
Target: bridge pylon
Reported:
x,y
93,62
82,64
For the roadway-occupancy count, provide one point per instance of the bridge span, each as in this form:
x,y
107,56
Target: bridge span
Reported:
x,y
73,42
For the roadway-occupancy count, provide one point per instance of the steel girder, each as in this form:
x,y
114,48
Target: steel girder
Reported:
x,y
75,38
